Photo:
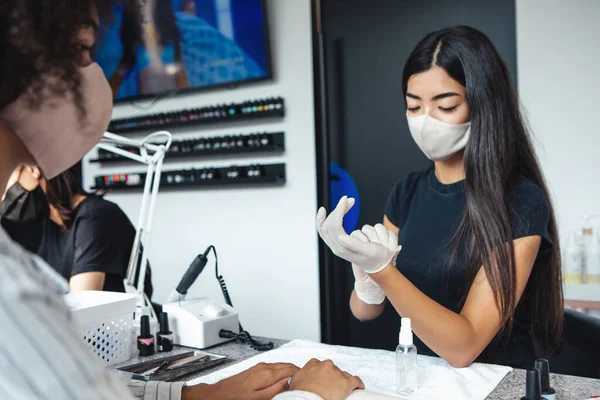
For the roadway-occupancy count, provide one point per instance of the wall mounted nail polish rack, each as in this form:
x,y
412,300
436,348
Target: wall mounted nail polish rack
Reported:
x,y
211,146
272,174
263,108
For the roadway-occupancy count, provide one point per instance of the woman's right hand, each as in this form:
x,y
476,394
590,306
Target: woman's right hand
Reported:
x,y
366,289
27,175
30,177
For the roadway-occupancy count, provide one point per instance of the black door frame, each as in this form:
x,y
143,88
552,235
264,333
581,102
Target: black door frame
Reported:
x,y
326,273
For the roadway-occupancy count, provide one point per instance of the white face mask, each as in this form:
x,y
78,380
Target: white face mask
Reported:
x,y
438,140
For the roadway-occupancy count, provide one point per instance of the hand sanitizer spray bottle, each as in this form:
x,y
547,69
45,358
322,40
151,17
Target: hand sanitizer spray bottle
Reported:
x,y
406,361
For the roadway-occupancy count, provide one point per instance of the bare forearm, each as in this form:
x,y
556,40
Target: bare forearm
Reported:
x,y
87,281
198,392
447,333
363,311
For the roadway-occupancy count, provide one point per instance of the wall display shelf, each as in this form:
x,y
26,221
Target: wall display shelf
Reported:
x,y
274,174
211,146
252,109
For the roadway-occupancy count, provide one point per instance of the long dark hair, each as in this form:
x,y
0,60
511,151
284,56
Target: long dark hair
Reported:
x,y
131,33
61,189
168,31
499,148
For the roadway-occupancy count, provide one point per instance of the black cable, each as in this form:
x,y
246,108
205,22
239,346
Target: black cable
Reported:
x,y
220,278
243,336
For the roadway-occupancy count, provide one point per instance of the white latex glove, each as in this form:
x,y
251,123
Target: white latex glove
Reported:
x,y
366,289
373,256
331,228
381,249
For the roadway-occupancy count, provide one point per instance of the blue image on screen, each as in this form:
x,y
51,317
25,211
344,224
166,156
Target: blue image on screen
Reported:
x,y
206,43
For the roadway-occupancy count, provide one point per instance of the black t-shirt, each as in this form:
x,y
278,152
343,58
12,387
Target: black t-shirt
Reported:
x,y
427,213
99,238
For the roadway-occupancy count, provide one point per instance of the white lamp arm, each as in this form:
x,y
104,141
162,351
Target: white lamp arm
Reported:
x,y
151,154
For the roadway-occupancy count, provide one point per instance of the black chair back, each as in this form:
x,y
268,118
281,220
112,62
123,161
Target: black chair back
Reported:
x,y
580,355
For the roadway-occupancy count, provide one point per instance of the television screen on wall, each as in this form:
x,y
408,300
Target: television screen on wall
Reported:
x,y
182,45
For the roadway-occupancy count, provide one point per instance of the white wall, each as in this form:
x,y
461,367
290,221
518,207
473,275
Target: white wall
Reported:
x,y
558,59
265,237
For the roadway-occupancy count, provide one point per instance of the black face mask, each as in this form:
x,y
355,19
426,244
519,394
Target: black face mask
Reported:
x,y
22,205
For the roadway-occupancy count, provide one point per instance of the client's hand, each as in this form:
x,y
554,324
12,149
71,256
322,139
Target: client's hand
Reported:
x,y
261,382
323,378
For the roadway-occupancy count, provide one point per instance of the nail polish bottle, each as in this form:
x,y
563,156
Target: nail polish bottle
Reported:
x,y
164,337
533,388
544,369
145,341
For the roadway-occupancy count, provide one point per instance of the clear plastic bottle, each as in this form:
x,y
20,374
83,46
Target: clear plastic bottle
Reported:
x,y
588,247
406,361
573,260
592,261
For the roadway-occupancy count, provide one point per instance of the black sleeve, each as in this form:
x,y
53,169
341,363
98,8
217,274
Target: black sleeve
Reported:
x,y
98,246
530,213
394,203
27,234
399,199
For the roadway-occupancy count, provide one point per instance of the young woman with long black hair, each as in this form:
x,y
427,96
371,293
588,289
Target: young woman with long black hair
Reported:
x,y
477,263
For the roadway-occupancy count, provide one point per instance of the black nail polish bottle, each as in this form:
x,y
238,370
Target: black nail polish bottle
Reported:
x,y
547,392
164,337
145,341
533,388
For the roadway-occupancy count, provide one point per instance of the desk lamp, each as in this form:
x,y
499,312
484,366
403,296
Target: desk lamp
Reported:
x,y
150,151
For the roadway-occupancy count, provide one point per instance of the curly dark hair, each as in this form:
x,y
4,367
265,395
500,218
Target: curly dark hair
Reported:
x,y
37,41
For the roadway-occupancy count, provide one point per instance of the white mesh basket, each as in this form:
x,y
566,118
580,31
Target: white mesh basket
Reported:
x,y
105,320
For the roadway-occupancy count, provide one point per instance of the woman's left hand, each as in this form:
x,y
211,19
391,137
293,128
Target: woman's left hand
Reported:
x,y
377,247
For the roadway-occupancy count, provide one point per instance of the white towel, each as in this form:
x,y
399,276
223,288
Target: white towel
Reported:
x,y
436,378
